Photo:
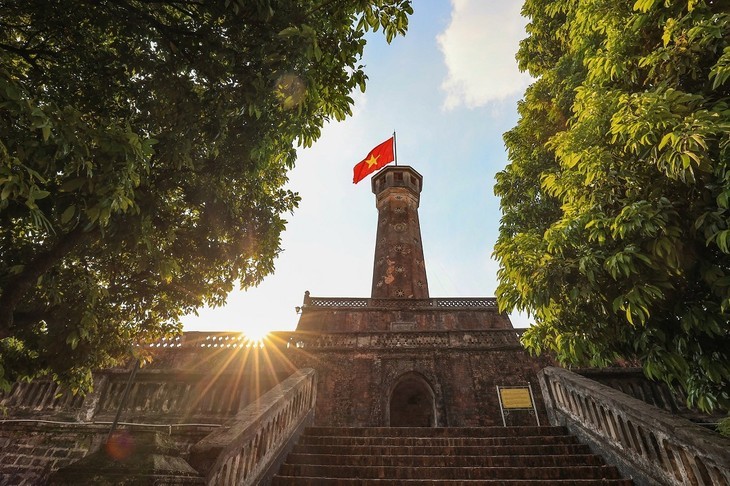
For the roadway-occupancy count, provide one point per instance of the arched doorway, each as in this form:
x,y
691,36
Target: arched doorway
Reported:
x,y
412,403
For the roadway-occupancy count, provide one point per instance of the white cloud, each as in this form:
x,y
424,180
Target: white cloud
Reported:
x,y
479,47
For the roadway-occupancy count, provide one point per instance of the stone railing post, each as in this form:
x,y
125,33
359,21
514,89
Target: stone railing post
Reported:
x,y
646,443
247,448
92,399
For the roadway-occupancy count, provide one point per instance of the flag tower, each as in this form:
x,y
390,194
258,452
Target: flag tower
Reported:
x,y
399,271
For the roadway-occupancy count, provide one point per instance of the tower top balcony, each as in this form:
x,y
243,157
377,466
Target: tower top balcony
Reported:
x,y
397,176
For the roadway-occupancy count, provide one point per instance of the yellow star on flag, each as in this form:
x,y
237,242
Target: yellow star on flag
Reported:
x,y
373,160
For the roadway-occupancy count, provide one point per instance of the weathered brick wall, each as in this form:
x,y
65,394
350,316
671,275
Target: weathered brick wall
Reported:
x,y
459,349
355,384
30,452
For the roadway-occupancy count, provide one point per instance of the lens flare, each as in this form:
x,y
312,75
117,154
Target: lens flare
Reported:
x,y
120,445
290,90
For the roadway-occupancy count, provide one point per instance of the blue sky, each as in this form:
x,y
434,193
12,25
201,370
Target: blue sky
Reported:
x,y
450,90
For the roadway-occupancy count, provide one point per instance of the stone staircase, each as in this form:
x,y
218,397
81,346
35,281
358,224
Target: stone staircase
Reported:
x,y
516,456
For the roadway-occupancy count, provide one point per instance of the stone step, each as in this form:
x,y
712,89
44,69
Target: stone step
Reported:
x,y
435,431
422,450
437,441
318,481
394,472
439,460
515,456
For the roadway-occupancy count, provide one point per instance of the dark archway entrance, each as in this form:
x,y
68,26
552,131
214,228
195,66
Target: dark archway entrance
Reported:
x,y
412,403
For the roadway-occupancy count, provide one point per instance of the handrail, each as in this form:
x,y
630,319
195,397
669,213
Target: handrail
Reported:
x,y
240,452
652,444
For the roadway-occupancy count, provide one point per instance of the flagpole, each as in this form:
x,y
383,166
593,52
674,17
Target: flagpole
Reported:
x,y
395,149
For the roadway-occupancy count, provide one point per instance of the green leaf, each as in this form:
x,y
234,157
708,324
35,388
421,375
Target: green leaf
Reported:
x,y
73,339
722,239
666,139
39,194
16,269
289,32
68,214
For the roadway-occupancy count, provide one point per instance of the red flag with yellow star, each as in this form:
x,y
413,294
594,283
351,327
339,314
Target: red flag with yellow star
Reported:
x,y
378,157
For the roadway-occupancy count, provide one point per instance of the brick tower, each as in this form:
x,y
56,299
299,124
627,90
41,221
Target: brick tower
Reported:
x,y
402,357
399,271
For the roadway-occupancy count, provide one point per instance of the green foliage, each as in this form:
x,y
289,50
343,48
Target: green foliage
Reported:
x,y
724,427
144,147
615,233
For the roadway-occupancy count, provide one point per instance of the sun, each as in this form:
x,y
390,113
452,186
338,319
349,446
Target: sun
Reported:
x,y
255,335
253,313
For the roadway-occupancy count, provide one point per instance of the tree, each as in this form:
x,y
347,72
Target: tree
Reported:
x,y
615,233
144,146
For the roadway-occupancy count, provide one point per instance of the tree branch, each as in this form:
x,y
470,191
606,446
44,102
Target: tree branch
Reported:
x,y
17,286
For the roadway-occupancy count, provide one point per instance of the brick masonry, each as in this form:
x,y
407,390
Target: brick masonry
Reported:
x,y
356,385
399,269
29,453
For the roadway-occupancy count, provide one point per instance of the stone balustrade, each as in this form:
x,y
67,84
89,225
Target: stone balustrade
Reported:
x,y
634,383
53,428
649,444
171,395
205,340
436,303
216,342
247,448
41,396
491,338
334,314
157,396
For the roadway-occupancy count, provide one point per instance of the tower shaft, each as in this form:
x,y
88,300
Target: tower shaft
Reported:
x,y
399,270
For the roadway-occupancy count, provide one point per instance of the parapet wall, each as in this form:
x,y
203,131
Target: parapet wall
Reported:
x,y
332,314
30,451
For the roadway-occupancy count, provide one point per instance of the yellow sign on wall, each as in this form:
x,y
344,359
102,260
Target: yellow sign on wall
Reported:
x,y
513,398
